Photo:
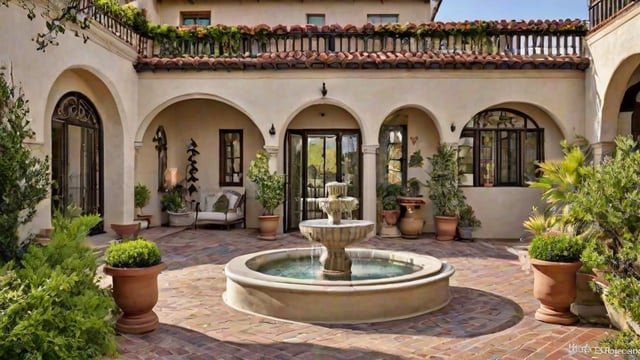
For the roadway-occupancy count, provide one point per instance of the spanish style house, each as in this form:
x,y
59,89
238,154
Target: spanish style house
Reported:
x,y
333,90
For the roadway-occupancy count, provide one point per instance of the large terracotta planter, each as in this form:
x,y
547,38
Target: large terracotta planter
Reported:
x,y
554,285
135,291
268,226
446,227
126,231
588,305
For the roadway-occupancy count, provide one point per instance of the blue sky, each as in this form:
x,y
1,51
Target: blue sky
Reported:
x,y
455,10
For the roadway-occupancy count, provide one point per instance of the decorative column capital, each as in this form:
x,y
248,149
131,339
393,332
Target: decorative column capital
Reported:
x,y
370,149
272,149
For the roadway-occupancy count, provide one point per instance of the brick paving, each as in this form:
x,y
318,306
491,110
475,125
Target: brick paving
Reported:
x,y
489,317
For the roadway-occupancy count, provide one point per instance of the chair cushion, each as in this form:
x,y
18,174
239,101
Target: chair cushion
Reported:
x,y
221,204
209,200
234,198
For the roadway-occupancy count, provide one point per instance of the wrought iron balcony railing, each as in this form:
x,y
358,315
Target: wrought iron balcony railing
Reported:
x,y
602,10
250,42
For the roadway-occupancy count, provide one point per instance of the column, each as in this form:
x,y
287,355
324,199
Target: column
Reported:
x,y
368,203
272,150
601,150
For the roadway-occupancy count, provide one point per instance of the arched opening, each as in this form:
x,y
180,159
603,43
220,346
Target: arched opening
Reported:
x,y
77,156
322,145
500,147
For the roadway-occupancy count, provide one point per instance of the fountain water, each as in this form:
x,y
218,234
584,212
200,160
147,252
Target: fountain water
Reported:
x,y
348,286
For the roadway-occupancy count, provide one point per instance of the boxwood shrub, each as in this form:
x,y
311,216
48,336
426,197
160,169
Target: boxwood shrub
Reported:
x,y
556,247
133,254
51,306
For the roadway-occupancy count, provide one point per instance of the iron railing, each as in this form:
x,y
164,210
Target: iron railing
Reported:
x,y
602,10
124,32
525,43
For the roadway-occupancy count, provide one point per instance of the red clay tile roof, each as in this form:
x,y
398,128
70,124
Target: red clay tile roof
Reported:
x,y
364,60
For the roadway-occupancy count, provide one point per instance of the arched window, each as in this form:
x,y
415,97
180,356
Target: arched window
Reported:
x,y
500,147
161,147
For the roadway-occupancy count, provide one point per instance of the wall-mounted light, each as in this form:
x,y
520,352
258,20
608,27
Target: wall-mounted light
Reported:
x,y
272,131
324,90
453,127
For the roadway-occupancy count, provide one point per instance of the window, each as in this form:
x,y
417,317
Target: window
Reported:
x,y
382,18
195,18
393,153
231,157
161,147
500,147
315,19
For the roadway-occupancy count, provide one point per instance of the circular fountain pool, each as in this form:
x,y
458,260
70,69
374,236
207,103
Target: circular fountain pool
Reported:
x,y
385,285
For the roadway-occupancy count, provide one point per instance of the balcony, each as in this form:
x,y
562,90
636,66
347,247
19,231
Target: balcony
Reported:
x,y
602,10
549,44
469,45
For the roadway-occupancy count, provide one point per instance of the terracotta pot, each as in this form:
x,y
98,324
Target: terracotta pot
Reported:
x,y
554,285
600,273
126,231
446,227
588,305
135,291
391,216
268,226
411,227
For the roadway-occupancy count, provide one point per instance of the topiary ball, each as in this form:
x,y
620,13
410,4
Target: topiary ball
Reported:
x,y
133,254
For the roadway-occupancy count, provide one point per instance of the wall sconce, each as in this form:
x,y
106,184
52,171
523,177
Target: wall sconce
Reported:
x,y
272,131
324,90
453,127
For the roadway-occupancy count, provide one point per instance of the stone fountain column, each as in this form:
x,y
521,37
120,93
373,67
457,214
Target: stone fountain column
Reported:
x,y
334,233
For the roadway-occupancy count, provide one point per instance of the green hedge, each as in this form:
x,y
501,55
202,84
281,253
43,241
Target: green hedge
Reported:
x,y
133,254
556,248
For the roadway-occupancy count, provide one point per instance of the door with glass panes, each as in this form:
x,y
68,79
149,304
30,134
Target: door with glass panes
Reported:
x,y
314,158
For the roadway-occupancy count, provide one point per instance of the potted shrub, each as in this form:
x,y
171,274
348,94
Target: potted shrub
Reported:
x,y
444,192
173,203
141,197
269,192
608,200
388,195
467,222
134,266
555,258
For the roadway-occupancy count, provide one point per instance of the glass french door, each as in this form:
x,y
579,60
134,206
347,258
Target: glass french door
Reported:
x,y
314,158
76,156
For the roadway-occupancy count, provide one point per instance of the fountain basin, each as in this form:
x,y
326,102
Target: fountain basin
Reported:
x,y
338,301
336,236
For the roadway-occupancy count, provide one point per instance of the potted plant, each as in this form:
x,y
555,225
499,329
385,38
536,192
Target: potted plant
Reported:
x,y
467,222
608,200
388,195
173,203
269,192
141,196
555,258
134,266
444,193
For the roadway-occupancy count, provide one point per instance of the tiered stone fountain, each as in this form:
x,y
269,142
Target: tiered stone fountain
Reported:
x,y
340,285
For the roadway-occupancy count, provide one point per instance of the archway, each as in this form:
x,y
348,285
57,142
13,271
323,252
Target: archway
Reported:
x,y
77,156
322,144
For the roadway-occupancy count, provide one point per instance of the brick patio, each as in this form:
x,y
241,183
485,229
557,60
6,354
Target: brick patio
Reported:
x,y
489,317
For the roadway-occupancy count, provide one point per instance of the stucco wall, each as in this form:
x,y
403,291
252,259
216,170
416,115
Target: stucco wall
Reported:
x,y
107,78
434,101
271,12
615,54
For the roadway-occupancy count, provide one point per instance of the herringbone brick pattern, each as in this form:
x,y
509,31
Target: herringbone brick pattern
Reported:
x,y
490,316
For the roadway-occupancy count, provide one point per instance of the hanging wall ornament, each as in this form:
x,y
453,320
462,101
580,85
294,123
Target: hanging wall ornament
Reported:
x,y
192,169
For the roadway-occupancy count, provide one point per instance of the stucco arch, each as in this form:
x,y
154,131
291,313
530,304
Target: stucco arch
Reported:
x,y
148,118
419,107
324,101
103,94
616,87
